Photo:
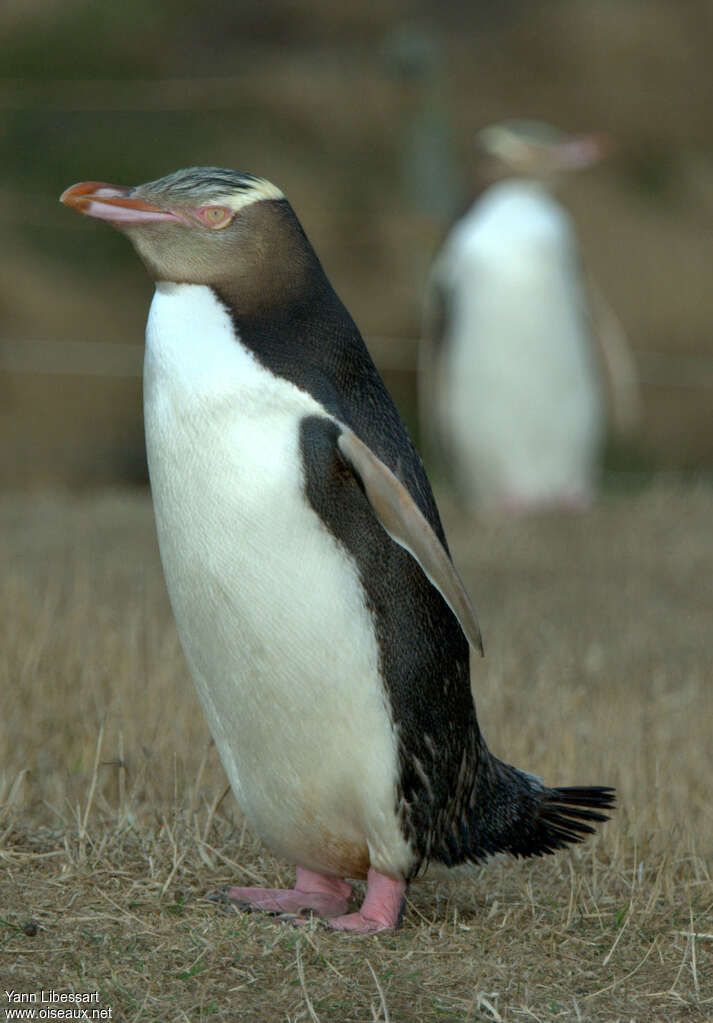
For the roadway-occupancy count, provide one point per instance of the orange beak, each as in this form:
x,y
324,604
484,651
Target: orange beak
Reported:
x,y
114,203
583,150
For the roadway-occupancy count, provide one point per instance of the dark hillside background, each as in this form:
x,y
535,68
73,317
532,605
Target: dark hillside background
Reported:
x,y
364,115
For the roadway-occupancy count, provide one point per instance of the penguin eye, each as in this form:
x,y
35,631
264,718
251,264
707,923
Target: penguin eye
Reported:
x,y
215,216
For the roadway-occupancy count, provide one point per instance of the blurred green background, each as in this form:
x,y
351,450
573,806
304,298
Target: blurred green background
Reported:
x,y
364,115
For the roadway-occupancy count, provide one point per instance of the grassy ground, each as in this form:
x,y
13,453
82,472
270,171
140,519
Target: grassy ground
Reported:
x,y
115,821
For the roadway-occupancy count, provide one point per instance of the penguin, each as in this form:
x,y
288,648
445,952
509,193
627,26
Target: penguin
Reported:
x,y
324,623
517,343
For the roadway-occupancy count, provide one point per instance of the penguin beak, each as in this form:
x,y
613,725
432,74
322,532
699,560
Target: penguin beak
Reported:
x,y
114,203
582,151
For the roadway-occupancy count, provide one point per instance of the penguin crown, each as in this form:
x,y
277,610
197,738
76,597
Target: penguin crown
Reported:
x,y
527,132
536,149
232,188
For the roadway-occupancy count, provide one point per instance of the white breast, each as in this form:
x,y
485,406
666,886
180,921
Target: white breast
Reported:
x,y
520,396
268,606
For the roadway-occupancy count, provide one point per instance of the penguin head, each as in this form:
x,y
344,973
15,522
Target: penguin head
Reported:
x,y
534,149
206,225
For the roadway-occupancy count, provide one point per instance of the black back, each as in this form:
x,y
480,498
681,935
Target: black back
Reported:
x,y
312,341
424,656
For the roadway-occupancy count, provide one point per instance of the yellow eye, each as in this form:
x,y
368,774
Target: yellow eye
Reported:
x,y
215,216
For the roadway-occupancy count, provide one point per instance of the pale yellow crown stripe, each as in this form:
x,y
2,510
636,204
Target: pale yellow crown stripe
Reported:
x,y
259,189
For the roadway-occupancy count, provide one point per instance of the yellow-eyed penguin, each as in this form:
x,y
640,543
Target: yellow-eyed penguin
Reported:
x,y
511,384
324,624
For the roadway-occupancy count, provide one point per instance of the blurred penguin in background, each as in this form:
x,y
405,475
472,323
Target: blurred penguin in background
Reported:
x,y
516,344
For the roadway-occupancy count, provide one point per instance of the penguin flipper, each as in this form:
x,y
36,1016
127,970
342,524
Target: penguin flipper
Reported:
x,y
617,359
403,520
431,350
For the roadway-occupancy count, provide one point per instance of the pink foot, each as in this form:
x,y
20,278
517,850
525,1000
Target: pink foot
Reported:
x,y
575,501
381,909
326,896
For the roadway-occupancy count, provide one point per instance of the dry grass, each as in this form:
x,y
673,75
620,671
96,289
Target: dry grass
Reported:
x,y
599,646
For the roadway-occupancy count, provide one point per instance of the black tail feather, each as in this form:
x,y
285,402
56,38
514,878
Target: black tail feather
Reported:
x,y
508,810
593,795
513,811
561,817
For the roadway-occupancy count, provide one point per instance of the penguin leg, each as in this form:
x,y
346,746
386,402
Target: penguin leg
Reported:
x,y
327,896
575,500
381,909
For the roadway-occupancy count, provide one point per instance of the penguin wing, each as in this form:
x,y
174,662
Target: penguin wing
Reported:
x,y
435,309
617,358
402,519
430,358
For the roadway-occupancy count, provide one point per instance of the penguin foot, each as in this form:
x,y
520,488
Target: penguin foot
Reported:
x,y
381,910
319,893
575,501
